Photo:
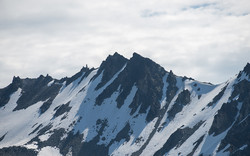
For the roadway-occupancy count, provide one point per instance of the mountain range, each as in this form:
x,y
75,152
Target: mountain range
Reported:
x,y
126,107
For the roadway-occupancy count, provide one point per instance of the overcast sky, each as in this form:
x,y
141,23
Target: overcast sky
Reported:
x,y
208,40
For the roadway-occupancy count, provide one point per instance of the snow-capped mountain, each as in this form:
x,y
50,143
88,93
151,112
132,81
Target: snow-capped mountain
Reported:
x,y
125,107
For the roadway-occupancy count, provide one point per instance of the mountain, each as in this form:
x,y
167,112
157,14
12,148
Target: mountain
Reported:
x,y
125,107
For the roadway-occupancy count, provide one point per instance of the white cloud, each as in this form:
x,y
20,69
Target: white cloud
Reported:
x,y
207,40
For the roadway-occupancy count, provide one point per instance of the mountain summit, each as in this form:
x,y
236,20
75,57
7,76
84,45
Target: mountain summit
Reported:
x,y
125,107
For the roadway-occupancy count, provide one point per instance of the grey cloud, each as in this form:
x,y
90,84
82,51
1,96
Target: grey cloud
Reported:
x,y
150,13
204,5
59,37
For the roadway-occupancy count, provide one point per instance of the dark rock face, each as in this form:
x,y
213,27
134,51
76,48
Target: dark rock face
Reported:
x,y
217,97
34,90
123,134
17,151
197,143
110,67
182,100
6,92
54,89
46,105
91,147
62,109
54,140
44,129
243,90
184,97
36,129
172,88
2,137
247,69
74,142
224,119
147,76
177,139
239,135
84,72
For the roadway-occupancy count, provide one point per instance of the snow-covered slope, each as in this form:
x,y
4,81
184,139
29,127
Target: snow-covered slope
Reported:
x,y
125,107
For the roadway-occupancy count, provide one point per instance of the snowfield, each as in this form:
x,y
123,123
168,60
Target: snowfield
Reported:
x,y
74,114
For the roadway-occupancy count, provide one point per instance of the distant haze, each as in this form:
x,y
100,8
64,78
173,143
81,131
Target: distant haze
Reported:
x,y
207,40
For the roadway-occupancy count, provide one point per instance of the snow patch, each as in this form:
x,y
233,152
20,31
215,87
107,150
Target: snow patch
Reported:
x,y
45,137
50,83
164,90
243,147
33,145
85,134
49,151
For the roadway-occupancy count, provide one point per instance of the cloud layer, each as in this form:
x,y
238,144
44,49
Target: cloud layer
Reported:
x,y
207,40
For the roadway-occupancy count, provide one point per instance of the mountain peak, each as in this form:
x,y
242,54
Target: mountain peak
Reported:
x,y
137,55
247,69
143,63
139,109
16,79
110,67
115,56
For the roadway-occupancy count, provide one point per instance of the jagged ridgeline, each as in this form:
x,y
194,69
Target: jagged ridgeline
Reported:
x,y
125,107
